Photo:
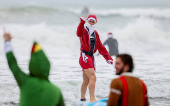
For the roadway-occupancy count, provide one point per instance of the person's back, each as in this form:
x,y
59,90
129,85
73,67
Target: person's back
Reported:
x,y
128,89
38,92
135,91
35,88
112,44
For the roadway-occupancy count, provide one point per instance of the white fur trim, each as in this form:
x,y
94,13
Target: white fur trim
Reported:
x,y
116,91
129,74
109,61
92,19
8,46
83,19
84,57
87,30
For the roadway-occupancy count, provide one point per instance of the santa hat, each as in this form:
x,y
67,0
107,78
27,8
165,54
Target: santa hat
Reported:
x,y
110,35
93,17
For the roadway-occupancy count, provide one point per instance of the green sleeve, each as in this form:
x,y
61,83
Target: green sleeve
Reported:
x,y
18,74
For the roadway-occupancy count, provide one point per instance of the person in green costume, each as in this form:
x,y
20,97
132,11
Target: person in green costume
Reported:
x,y
35,89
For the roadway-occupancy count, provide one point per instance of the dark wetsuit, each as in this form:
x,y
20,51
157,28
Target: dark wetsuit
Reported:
x,y
113,46
92,44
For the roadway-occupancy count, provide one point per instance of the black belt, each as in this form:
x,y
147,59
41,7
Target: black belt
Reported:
x,y
88,53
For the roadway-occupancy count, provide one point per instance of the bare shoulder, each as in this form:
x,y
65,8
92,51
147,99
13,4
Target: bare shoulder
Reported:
x,y
116,83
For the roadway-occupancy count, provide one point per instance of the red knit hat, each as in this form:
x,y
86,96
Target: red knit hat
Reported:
x,y
93,17
110,33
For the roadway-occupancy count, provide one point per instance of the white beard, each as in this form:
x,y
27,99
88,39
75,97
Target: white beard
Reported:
x,y
110,36
91,28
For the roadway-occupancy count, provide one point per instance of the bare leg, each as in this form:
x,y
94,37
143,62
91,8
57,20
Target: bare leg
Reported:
x,y
84,85
91,75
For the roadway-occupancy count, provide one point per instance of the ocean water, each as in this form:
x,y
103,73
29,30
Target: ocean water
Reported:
x,y
142,32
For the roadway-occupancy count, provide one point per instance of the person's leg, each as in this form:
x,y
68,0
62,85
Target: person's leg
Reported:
x,y
84,85
92,77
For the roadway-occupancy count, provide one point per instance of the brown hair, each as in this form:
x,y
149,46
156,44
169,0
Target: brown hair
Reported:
x,y
127,59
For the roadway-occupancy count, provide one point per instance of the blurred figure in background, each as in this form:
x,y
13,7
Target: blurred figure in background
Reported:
x,y
85,11
90,43
112,45
128,89
35,88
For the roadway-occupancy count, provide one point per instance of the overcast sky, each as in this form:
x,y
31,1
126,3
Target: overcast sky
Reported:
x,y
116,3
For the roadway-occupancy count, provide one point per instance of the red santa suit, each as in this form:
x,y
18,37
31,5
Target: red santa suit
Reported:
x,y
86,59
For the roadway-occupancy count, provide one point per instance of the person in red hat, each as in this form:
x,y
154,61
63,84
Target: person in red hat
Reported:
x,y
112,44
90,43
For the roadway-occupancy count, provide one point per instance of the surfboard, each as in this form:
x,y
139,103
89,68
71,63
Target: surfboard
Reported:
x,y
102,102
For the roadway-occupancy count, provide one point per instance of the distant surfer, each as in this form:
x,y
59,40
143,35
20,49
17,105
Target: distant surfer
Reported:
x,y
128,89
112,44
35,88
90,43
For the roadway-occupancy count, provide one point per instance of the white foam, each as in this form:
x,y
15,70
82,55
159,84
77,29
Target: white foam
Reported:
x,y
141,38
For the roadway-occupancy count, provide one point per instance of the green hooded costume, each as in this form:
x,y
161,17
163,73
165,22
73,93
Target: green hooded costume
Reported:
x,y
35,89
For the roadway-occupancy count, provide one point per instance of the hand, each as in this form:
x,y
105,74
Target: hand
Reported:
x,y
84,17
109,61
7,36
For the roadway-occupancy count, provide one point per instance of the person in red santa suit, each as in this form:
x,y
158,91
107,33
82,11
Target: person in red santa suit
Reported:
x,y
90,43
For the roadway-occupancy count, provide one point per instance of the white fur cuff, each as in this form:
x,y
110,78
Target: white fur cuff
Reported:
x,y
83,19
8,46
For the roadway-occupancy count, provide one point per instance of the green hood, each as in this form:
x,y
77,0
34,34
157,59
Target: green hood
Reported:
x,y
39,65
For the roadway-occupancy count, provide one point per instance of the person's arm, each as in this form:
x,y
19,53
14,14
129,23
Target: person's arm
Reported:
x,y
102,50
117,47
80,28
105,43
116,43
61,101
18,74
115,94
146,99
